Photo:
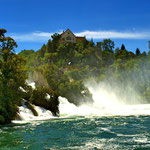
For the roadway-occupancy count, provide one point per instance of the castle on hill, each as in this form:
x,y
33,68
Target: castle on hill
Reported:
x,y
69,37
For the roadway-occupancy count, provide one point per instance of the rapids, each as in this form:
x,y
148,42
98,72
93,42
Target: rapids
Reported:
x,y
108,123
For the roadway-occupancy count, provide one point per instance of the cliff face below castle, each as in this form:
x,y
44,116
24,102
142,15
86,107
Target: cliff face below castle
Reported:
x,y
39,95
39,79
59,84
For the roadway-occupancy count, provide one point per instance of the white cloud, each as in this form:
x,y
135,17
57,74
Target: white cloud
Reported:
x,y
32,37
113,34
44,36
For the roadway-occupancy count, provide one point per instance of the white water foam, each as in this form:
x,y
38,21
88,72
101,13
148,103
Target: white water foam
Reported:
x,y
32,84
27,115
105,104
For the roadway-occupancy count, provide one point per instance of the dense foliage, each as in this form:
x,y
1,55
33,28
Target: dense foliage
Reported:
x,y
61,70
12,77
66,66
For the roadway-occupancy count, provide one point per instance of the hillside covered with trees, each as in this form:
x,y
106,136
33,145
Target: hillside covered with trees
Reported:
x,y
62,69
74,63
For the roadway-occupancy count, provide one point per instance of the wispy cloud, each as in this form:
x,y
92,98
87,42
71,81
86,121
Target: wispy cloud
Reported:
x,y
114,35
32,37
44,36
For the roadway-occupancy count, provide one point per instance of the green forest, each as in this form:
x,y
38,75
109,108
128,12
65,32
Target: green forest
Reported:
x,y
62,69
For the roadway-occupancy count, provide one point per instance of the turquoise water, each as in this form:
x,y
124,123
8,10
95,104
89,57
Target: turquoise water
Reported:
x,y
91,133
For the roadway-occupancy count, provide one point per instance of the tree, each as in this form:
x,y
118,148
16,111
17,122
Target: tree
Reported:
x,y
149,45
12,77
123,47
90,43
61,84
108,45
55,40
144,53
138,52
107,57
49,47
42,51
117,50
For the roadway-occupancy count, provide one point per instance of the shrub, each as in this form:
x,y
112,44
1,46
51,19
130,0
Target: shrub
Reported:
x,y
39,98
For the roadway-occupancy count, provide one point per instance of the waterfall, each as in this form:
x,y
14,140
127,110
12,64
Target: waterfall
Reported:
x,y
26,114
106,103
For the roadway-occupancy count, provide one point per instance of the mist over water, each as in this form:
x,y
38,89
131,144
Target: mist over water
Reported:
x,y
108,123
113,103
112,121
107,102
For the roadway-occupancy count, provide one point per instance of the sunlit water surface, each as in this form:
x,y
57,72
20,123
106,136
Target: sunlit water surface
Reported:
x,y
76,132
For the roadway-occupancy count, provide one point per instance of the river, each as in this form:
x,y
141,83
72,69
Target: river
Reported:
x,y
106,124
78,132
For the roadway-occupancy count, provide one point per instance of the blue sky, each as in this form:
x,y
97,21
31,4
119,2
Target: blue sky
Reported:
x,y
31,22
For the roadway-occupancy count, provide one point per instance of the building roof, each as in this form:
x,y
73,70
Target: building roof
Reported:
x,y
62,39
66,31
80,38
